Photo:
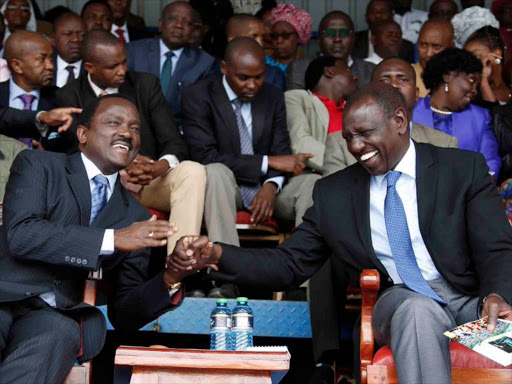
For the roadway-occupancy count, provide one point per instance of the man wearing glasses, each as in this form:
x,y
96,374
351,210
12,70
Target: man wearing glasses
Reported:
x,y
336,39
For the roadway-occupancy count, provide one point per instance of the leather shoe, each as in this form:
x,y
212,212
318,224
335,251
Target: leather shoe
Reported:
x,y
225,291
195,293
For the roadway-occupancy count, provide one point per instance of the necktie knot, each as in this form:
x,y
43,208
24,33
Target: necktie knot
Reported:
x,y
392,177
27,101
169,55
70,69
100,181
237,103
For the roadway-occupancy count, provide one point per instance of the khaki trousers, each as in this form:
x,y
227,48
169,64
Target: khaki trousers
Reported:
x,y
180,192
223,198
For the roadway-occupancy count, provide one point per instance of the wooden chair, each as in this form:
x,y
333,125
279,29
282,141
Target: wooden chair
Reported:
x,y
81,374
468,367
189,366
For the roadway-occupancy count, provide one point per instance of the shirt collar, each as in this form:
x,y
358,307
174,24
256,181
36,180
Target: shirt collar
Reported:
x,y
231,94
331,103
407,165
61,63
15,91
164,49
350,61
115,27
97,90
93,171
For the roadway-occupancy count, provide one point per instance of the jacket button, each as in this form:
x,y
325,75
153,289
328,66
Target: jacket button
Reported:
x,y
28,294
73,259
84,262
66,258
79,261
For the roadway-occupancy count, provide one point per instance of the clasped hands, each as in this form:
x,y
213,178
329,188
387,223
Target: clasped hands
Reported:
x,y
143,169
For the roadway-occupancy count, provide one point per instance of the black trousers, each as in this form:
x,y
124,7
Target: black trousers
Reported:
x,y
38,344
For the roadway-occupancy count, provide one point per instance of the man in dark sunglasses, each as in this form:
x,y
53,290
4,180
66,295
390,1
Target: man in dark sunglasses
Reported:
x,y
336,38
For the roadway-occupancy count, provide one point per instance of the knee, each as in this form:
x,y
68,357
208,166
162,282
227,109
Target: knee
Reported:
x,y
191,170
66,337
219,173
420,308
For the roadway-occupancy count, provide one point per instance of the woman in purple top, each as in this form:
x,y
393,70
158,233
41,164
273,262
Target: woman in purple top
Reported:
x,y
453,76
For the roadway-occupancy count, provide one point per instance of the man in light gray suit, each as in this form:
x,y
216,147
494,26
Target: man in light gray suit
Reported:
x,y
336,38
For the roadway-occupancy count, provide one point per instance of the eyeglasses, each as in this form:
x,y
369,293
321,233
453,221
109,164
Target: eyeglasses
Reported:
x,y
284,35
22,8
342,32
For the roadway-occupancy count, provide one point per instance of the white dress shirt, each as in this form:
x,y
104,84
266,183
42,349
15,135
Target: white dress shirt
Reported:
x,y
124,27
374,58
107,246
62,73
172,160
370,44
406,188
14,96
163,57
247,116
411,23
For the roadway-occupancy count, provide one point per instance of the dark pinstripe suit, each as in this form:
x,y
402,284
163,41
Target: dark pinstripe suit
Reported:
x,y
48,245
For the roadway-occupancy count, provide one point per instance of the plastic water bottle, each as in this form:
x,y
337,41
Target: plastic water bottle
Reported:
x,y
243,325
220,327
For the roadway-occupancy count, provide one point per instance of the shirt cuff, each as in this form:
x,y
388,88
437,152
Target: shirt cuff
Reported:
x,y
42,128
171,159
107,246
264,166
279,180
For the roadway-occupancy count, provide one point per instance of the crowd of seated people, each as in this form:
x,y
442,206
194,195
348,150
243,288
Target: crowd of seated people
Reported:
x,y
237,111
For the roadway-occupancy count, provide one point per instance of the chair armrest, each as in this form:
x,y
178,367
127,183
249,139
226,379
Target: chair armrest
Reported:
x,y
370,284
90,289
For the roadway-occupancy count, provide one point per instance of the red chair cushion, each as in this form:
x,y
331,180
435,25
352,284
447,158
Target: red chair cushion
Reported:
x,y
244,217
461,356
159,214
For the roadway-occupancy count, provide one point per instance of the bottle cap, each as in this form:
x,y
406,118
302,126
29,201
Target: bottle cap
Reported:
x,y
222,301
242,299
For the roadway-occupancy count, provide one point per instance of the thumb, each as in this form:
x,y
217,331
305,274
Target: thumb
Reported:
x,y
306,155
153,218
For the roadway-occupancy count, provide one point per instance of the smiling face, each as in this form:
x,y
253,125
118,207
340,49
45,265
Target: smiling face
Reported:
x,y
108,66
377,141
337,37
112,139
176,24
67,37
462,89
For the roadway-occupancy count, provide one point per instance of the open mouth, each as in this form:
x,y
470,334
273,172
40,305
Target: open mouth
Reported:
x,y
369,155
124,148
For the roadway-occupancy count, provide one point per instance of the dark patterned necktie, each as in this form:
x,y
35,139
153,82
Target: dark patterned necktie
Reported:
x,y
71,74
27,106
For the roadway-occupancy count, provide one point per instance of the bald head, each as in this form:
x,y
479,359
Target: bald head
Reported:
x,y
245,26
244,67
20,42
435,36
95,39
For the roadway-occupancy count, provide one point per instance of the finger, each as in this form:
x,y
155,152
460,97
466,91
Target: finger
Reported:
x,y
213,266
198,245
70,110
258,214
152,243
256,209
153,218
207,251
66,124
493,310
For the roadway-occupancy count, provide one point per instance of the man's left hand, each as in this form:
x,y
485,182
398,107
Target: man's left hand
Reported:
x,y
262,206
496,307
143,169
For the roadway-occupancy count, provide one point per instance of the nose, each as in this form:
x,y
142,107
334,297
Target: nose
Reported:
x,y
121,70
356,145
251,84
49,64
125,131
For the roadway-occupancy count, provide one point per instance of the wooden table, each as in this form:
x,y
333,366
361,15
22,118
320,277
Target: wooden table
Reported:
x,y
198,366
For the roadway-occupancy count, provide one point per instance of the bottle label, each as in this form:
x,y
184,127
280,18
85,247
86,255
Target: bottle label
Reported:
x,y
243,321
220,321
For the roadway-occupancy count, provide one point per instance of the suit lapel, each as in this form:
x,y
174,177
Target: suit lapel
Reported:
x,y
153,58
418,134
79,183
225,111
115,210
183,64
426,186
322,112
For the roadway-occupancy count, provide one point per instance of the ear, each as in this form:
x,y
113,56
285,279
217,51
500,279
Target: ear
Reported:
x,y
400,119
223,67
16,66
89,67
447,77
81,133
329,72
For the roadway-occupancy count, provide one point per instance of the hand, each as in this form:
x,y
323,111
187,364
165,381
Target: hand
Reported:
x,y
488,61
142,234
262,206
293,164
193,253
59,117
143,169
495,306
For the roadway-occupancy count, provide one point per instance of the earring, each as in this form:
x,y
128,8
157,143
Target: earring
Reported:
x,y
446,87
498,61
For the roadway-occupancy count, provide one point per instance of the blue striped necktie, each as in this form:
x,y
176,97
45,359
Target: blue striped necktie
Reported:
x,y
248,192
400,241
98,195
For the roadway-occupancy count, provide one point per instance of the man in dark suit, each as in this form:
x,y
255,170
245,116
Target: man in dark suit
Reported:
x,y
67,37
160,177
336,38
127,26
236,126
169,57
378,11
402,209
29,57
82,220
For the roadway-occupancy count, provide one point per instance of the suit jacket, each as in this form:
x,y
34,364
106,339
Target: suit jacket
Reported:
x,y
211,131
48,245
159,135
296,72
9,149
461,218
47,98
16,123
361,47
193,65
55,63
471,127
337,156
308,123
